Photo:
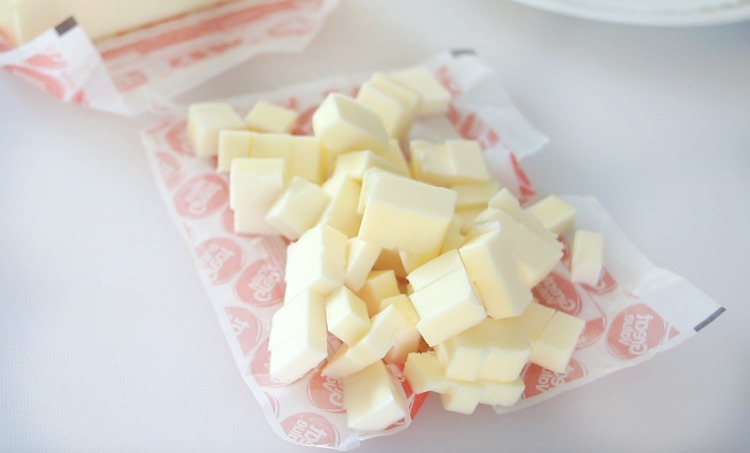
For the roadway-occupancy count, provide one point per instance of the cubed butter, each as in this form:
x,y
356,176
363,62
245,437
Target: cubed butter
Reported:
x,y
297,208
356,163
204,123
409,338
506,202
346,315
267,117
424,373
254,185
463,397
435,269
232,144
558,341
434,97
586,257
360,259
394,114
341,212
508,350
378,285
555,214
317,262
373,400
474,194
302,154
342,124
409,100
503,394
535,319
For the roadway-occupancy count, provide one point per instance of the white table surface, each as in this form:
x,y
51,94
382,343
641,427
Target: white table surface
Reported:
x,y
107,339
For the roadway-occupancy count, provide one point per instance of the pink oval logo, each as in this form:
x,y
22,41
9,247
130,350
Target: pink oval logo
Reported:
x,y
169,169
557,292
635,331
260,367
326,393
219,258
177,139
245,326
308,428
261,284
201,196
539,380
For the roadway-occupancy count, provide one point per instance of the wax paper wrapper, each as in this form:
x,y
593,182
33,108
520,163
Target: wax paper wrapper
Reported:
x,y
146,68
635,310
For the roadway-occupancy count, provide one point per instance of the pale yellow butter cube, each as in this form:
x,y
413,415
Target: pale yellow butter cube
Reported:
x,y
558,341
302,154
431,163
490,265
373,400
204,123
360,259
462,355
447,307
356,163
467,160
396,118
503,394
342,124
303,342
411,261
409,338
424,373
586,257
372,347
317,261
341,212
267,117
254,185
463,396
555,214
435,269
508,349
434,97
506,202
535,319
346,315
297,208
379,285
232,144
474,194
409,100
395,156
416,223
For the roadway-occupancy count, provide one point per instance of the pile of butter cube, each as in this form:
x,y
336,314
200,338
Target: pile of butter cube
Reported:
x,y
426,262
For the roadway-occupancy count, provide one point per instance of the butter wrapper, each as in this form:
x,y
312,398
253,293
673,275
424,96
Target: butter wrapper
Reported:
x,y
635,310
145,68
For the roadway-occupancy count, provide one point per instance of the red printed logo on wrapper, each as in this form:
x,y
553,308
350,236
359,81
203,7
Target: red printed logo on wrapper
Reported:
x,y
635,331
261,284
308,428
593,329
326,393
169,169
43,81
539,380
201,196
219,258
260,367
245,326
525,190
557,292
177,140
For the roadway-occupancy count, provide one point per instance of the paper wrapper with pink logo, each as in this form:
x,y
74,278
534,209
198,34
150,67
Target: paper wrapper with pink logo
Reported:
x,y
144,69
635,310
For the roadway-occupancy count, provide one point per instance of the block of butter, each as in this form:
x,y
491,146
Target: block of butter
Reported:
x,y
26,19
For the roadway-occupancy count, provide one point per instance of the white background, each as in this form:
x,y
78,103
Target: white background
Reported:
x,y
107,338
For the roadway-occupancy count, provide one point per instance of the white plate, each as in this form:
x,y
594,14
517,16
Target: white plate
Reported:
x,y
650,12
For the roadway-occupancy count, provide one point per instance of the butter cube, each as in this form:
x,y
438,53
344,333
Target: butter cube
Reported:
x,y
394,114
254,185
449,163
372,347
303,342
379,285
474,194
356,163
462,355
558,341
506,202
468,161
424,373
341,212
535,319
232,144
409,100
412,261
301,154
586,258
435,98
508,350
297,208
267,117
447,307
556,215
204,123
360,259
417,223
463,397
503,394
435,269
317,261
490,265
342,124
346,315
372,399
395,156
409,338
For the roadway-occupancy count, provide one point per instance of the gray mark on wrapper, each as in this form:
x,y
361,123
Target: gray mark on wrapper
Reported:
x,y
708,320
66,25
